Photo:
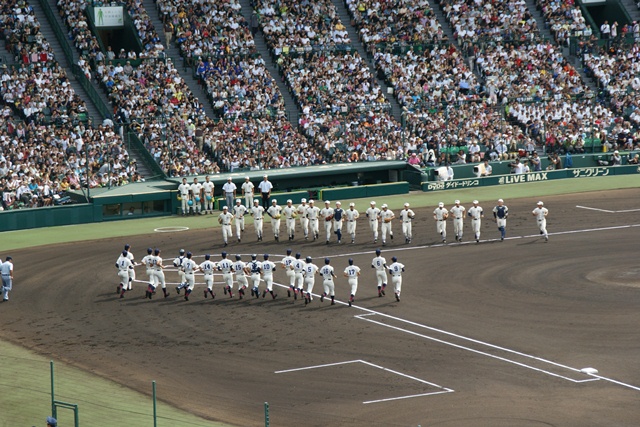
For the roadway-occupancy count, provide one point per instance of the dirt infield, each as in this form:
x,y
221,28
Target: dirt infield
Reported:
x,y
490,334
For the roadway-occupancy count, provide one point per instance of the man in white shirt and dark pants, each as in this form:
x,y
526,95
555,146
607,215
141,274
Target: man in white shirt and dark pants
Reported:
x,y
265,188
229,190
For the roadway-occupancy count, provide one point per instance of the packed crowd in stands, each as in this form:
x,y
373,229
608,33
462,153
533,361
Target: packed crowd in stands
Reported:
x,y
438,75
45,146
395,21
497,21
564,19
206,28
293,24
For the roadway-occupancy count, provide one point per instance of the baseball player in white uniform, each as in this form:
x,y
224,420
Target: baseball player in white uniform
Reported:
x,y
255,268
338,217
159,275
440,215
304,221
184,190
372,214
327,281
406,216
132,272
540,213
239,211
386,216
396,269
247,191
123,264
310,271
177,263
458,213
326,214
298,276
476,213
275,212
290,214
207,188
224,219
257,212
229,191
196,190
239,267
350,216
147,261
225,266
313,214
287,262
189,266
207,268
500,213
6,272
380,265
268,268
351,273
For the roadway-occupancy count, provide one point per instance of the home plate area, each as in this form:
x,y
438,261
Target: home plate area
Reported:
x,y
364,381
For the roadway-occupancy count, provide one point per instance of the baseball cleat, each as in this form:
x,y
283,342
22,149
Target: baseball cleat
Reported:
x,y
178,290
205,294
321,298
397,297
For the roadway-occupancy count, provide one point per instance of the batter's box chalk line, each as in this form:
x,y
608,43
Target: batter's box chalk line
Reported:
x,y
441,390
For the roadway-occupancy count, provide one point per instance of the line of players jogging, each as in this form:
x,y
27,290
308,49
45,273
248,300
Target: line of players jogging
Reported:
x,y
300,275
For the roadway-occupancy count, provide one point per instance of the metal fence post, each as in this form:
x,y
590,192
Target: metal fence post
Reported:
x,y
53,394
155,415
266,414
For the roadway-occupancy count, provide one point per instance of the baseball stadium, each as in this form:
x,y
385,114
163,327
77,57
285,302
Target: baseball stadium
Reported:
x,y
319,213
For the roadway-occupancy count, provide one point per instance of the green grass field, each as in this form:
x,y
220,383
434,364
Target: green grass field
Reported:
x,y
25,386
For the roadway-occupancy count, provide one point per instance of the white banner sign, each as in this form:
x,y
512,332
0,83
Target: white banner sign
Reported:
x,y
108,16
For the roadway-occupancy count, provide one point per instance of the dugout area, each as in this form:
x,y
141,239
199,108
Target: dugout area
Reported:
x,y
489,334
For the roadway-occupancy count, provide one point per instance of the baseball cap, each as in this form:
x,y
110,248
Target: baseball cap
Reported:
x,y
238,201
352,204
255,202
475,202
440,205
181,251
540,204
224,208
303,200
310,201
52,422
326,202
289,201
372,203
456,202
338,203
384,206
500,200
246,177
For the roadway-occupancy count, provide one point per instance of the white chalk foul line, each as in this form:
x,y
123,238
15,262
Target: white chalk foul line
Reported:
x,y
606,210
373,365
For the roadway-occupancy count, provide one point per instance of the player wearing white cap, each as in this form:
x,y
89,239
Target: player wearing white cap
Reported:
x,y
310,271
239,211
189,266
159,276
406,216
386,216
298,275
196,190
275,212
327,281
290,214
396,269
229,191
147,261
184,191
177,263
208,188
338,217
207,268
247,191
313,213
226,267
350,216
288,271
540,213
257,212
327,217
132,272
240,268
372,214
304,221
500,213
268,268
458,212
123,264
380,265
224,219
440,215
351,273
265,188
476,213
